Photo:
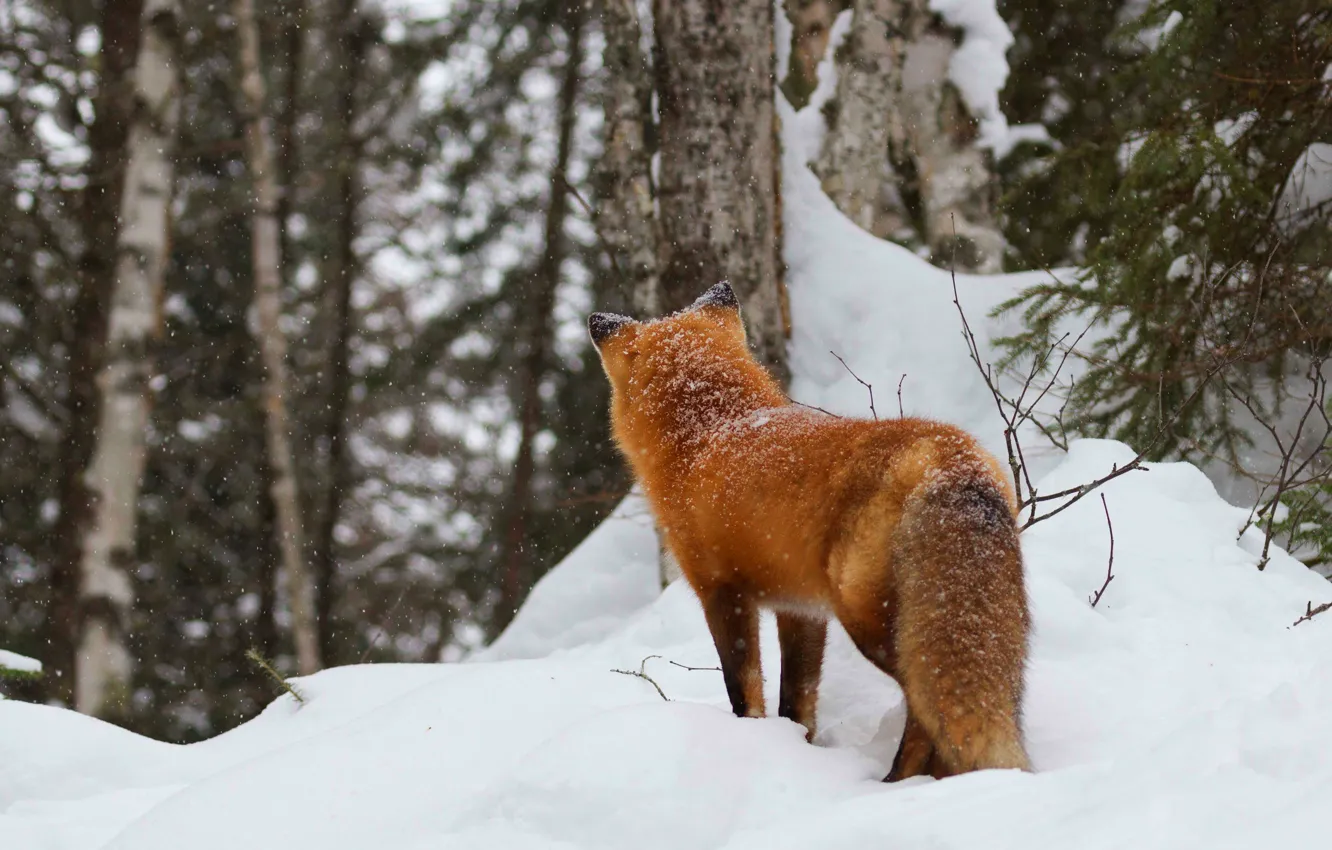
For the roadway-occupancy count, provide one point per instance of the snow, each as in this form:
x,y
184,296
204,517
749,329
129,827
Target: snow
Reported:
x,y
19,663
1184,710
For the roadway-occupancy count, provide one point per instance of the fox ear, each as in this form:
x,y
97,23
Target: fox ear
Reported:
x,y
602,326
720,295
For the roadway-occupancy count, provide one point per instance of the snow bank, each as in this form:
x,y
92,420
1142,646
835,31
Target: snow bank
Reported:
x,y
19,663
1182,711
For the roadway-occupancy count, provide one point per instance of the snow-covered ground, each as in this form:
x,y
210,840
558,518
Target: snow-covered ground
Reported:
x,y
1182,711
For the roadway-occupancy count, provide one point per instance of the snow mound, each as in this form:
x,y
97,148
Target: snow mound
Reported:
x,y
1181,711
19,663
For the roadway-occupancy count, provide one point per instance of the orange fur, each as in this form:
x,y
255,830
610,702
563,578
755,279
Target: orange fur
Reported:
x,y
903,529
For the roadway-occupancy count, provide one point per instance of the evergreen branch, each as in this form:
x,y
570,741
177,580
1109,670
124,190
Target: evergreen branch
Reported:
x,y
267,666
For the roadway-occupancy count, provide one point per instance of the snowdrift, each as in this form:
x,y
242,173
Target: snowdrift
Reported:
x,y
1182,711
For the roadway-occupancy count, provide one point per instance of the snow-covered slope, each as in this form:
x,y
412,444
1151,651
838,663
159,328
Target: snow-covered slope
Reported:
x,y
1181,712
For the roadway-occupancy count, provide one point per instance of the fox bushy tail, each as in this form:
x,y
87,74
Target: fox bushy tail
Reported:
x,y
963,623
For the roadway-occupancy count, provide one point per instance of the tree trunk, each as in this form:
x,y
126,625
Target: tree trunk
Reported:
x,y
719,188
106,595
266,250
899,157
864,120
98,213
624,173
339,281
516,573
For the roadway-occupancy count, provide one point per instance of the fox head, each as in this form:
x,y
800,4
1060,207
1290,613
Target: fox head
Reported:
x,y
672,376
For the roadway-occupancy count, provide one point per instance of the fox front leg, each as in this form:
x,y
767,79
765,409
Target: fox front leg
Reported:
x,y
733,621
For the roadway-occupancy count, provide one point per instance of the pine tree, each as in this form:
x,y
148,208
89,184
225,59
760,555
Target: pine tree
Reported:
x,y
1205,252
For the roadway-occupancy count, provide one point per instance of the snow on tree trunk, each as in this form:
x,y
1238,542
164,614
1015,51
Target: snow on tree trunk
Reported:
x,y
104,665
719,187
900,157
266,249
624,173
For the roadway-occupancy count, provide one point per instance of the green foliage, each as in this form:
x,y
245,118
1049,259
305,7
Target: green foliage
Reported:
x,y
1199,258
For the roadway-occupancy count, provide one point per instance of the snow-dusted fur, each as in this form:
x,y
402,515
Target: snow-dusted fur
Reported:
x,y
903,530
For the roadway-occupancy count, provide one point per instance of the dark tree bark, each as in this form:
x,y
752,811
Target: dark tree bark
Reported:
x,y
720,188
624,173
98,207
339,282
516,573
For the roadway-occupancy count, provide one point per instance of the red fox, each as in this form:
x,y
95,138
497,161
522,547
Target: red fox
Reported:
x,y
904,530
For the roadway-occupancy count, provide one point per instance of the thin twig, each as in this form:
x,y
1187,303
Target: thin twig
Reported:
x,y
813,407
47,407
687,667
901,414
596,228
388,619
639,674
864,384
1310,612
1110,564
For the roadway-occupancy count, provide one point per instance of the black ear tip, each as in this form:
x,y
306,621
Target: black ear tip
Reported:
x,y
719,295
601,326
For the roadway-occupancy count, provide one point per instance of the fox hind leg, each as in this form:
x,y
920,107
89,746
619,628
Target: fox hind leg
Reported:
x,y
733,621
915,754
802,640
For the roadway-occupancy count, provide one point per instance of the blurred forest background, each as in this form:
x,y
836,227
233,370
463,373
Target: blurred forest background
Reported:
x,y
292,292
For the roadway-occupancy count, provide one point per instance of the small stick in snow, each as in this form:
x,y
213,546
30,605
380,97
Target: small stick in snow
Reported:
x,y
900,413
687,667
869,387
639,674
1109,576
1310,612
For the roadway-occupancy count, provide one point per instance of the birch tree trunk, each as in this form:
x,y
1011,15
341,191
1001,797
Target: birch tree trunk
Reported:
x,y
266,249
899,157
99,207
104,664
516,575
720,187
624,173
